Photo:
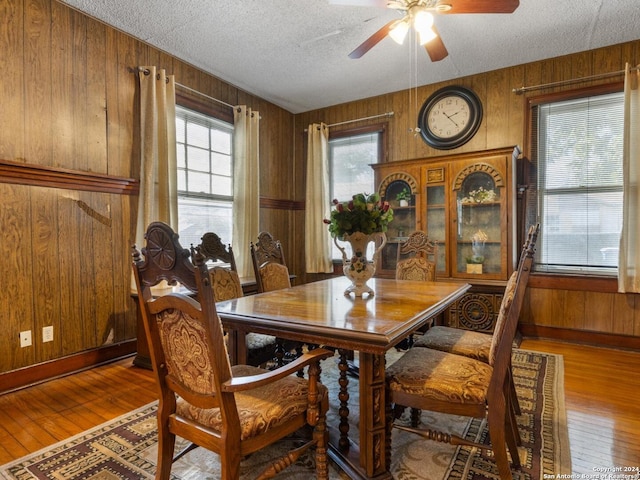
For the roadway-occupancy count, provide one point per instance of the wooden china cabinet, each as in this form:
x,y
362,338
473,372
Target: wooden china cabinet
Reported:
x,y
466,202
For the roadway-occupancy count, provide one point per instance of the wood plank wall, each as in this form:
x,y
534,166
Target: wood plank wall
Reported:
x,y
69,97
68,93
555,303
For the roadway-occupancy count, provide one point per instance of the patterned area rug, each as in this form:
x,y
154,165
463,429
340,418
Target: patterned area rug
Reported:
x,y
125,448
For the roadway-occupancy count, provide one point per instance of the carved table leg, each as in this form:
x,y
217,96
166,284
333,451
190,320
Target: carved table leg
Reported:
x,y
373,416
343,396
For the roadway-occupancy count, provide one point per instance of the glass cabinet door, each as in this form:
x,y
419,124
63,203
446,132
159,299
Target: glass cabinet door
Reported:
x,y
437,214
480,216
400,195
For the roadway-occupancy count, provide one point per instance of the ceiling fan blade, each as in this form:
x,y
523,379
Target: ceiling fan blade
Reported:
x,y
478,6
372,41
435,48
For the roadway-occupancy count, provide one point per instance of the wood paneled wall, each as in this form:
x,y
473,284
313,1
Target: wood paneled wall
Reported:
x,y
69,97
552,304
69,100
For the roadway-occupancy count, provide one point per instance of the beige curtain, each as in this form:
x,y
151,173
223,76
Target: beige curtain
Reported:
x,y
317,201
246,186
629,257
158,198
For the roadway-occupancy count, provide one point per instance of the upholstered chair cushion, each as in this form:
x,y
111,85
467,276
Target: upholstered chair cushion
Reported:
x,y
416,268
470,344
274,277
184,342
257,341
261,408
440,376
225,283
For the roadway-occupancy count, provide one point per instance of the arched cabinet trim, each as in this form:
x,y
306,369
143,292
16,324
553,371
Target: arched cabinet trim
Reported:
x,y
399,176
478,167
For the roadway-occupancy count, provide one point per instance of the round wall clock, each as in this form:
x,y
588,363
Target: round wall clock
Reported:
x,y
450,117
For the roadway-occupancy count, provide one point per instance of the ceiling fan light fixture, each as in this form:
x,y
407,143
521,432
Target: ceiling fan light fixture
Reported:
x,y
426,36
422,21
399,31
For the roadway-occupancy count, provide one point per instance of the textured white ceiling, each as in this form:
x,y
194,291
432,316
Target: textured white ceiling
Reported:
x,y
294,52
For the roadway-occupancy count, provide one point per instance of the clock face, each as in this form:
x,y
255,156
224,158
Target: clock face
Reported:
x,y
450,117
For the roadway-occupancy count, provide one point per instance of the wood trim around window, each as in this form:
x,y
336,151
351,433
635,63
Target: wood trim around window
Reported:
x,y
558,97
197,103
380,128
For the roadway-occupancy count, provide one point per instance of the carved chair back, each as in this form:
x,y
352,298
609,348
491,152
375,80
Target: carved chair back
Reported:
x,y
416,258
269,264
224,279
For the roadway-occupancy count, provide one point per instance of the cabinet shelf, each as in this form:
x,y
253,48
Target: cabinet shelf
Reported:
x,y
400,209
486,243
480,204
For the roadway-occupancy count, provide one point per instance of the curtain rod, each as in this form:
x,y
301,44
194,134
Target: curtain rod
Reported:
x,y
147,72
387,114
521,90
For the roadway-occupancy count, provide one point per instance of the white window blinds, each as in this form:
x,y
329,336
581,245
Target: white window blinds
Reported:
x,y
578,144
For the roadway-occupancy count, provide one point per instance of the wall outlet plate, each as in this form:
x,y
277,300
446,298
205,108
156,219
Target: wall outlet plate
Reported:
x,y
47,334
25,338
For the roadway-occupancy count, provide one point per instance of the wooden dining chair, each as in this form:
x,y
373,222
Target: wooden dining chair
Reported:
x,y
231,410
226,285
472,344
269,264
428,379
416,258
271,273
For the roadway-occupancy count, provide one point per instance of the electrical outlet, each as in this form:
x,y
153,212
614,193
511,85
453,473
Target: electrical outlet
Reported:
x,y
47,334
25,338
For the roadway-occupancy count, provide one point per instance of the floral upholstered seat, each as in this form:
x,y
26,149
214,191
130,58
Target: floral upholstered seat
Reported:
x,y
440,376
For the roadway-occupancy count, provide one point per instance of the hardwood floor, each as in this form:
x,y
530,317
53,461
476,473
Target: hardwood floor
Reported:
x,y
602,399
601,393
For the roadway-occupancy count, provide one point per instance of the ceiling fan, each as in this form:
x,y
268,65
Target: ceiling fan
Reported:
x,y
419,15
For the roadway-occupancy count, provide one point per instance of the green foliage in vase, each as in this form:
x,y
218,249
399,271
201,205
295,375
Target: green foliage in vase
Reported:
x,y
363,213
404,194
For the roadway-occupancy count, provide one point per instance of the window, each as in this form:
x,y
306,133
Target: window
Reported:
x,y
205,176
351,152
577,148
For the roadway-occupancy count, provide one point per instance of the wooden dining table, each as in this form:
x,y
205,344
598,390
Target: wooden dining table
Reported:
x,y
319,313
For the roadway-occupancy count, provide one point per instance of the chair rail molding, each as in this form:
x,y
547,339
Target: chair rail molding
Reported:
x,y
54,177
